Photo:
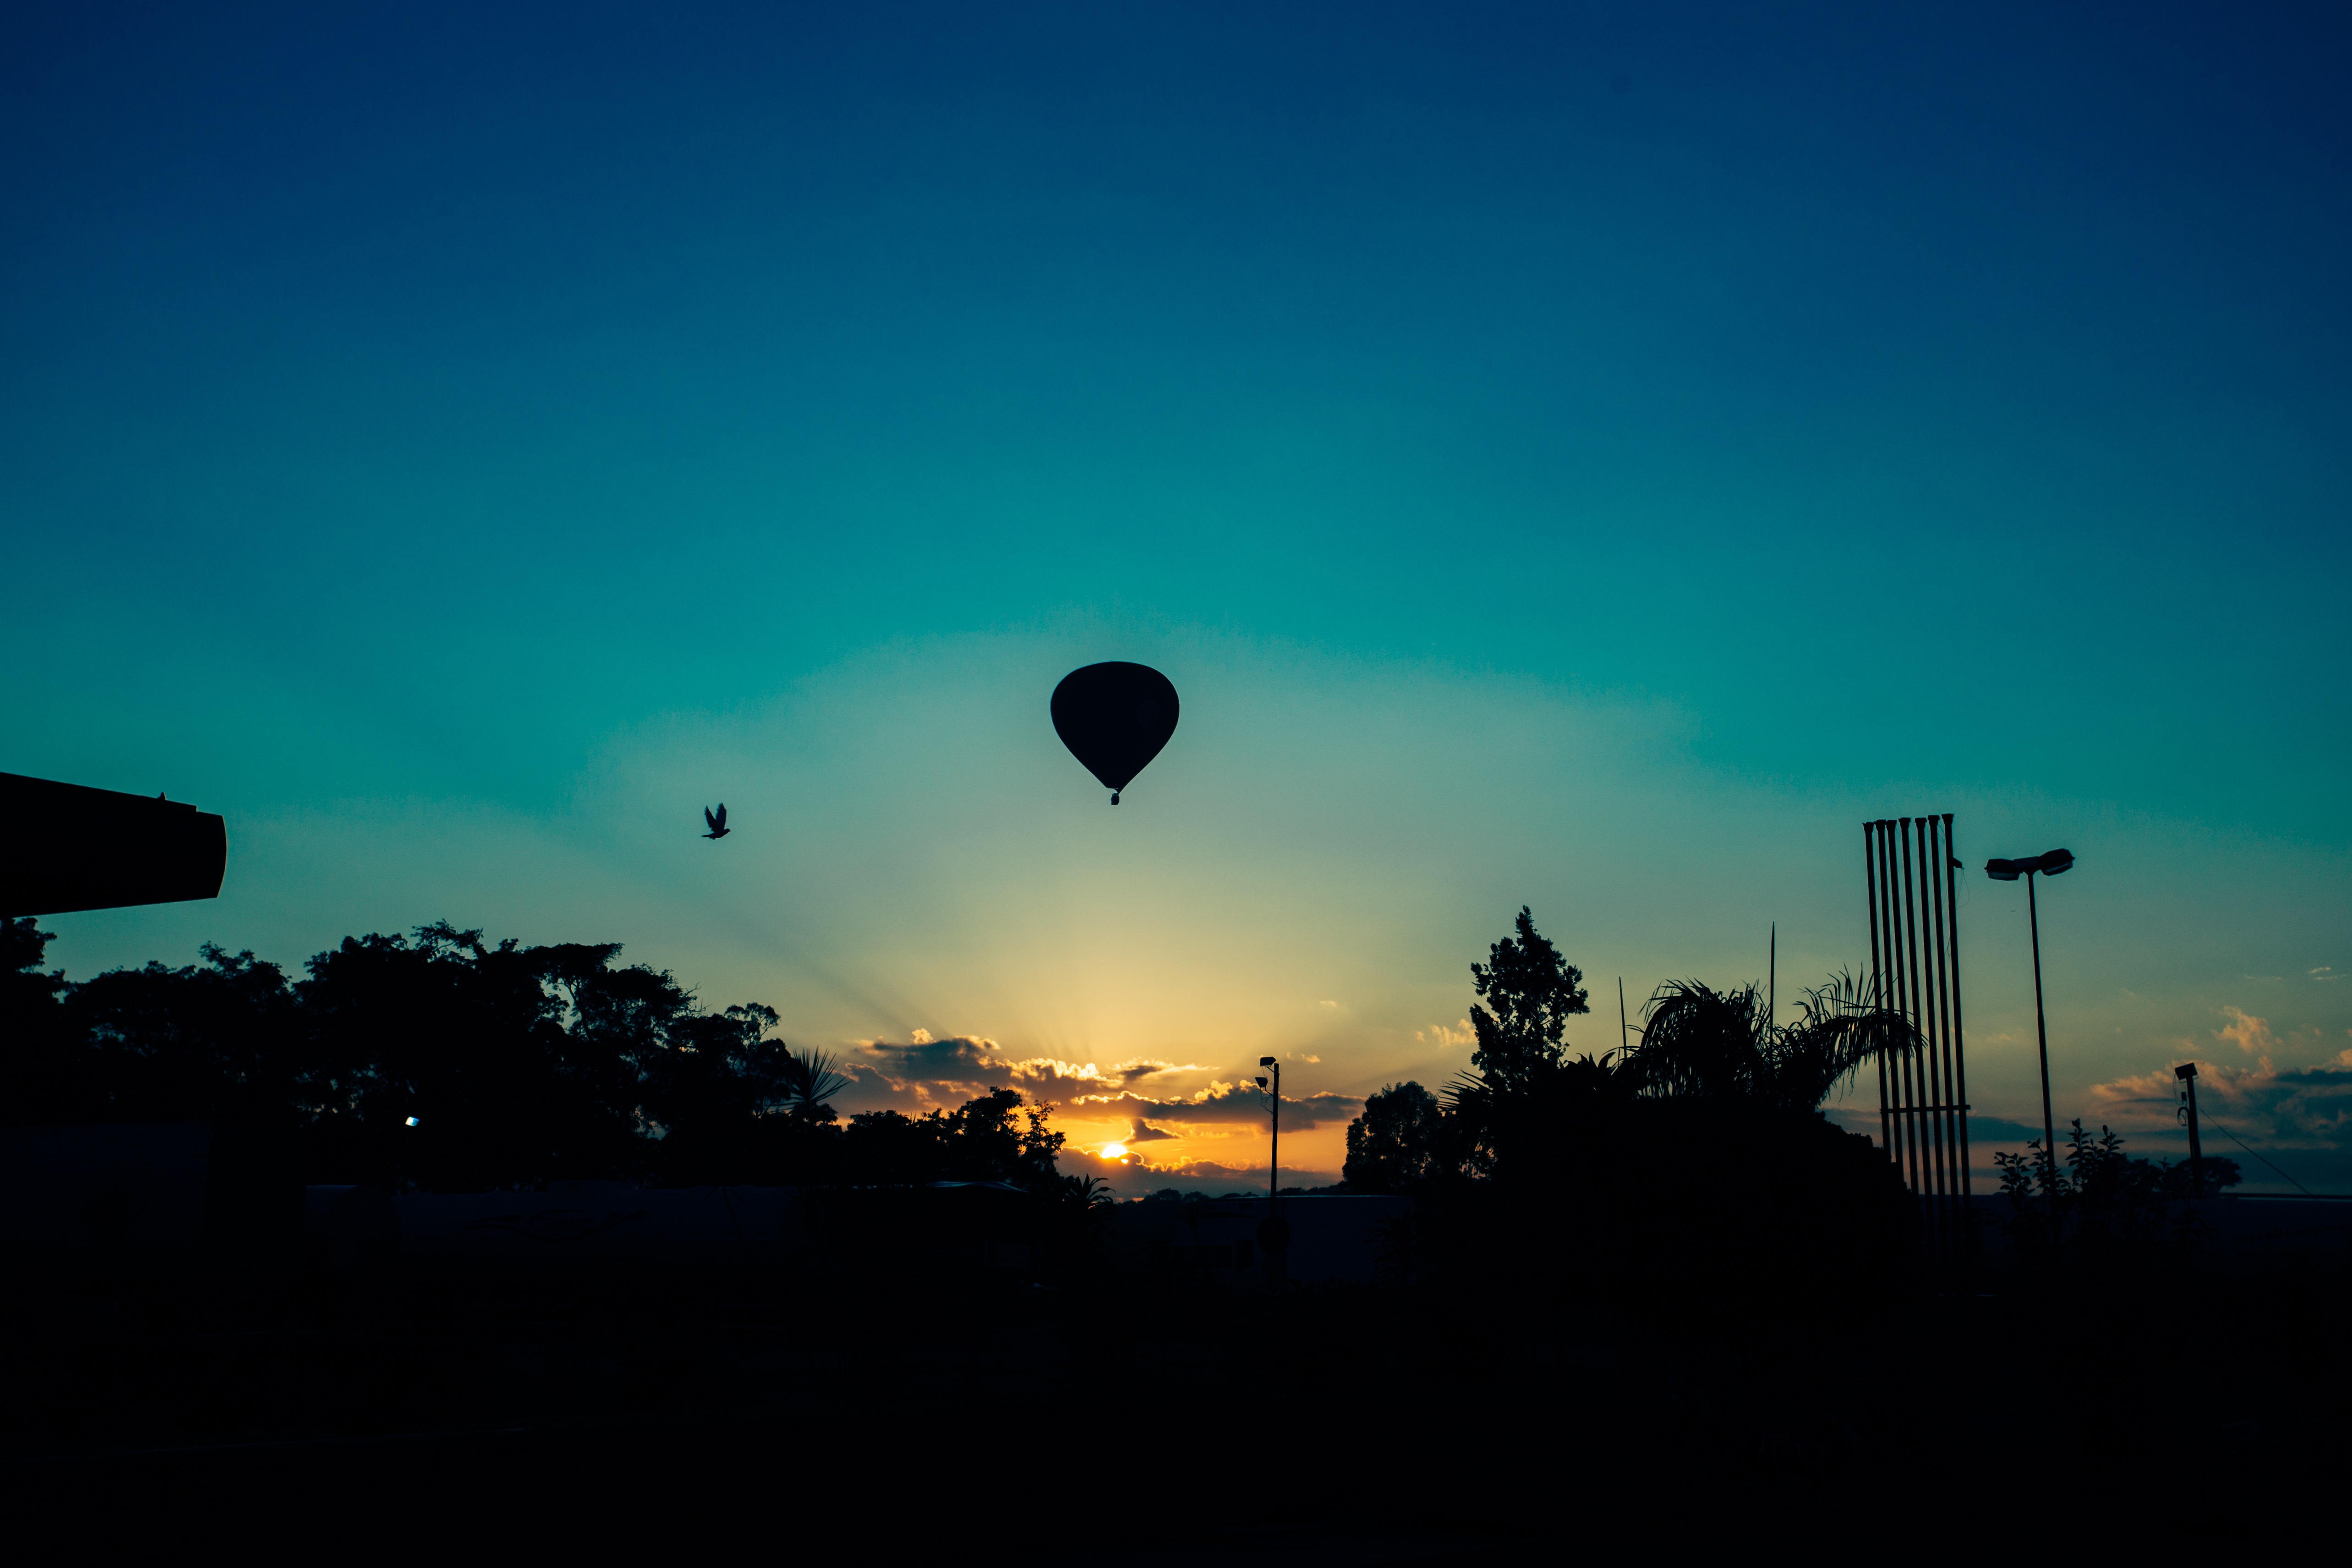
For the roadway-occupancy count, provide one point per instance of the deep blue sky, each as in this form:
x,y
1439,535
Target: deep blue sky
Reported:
x,y
417,419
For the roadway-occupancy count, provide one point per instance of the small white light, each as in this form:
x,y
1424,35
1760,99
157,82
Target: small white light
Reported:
x,y
412,1121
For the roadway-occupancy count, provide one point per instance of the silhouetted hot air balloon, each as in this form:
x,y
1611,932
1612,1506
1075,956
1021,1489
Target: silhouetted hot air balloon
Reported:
x,y
1115,717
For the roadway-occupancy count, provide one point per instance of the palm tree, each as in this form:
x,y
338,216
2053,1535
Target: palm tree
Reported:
x,y
1724,1045
1840,1026
810,1080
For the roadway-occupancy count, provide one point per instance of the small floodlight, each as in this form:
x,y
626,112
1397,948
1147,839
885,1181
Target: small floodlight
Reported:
x,y
2186,1070
2001,871
1265,1062
1261,1083
412,1121
2057,861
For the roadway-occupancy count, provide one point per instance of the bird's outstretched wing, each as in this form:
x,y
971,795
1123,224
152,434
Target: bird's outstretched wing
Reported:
x,y
723,815
708,821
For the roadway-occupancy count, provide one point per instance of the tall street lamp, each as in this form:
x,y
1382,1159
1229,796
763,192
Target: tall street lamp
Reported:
x,y
2049,865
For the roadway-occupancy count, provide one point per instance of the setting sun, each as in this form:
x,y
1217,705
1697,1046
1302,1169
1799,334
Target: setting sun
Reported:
x,y
1114,1151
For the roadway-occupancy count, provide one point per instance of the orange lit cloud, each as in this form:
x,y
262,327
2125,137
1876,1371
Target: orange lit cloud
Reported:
x,y
2249,1033
2309,1107
927,1070
1224,1104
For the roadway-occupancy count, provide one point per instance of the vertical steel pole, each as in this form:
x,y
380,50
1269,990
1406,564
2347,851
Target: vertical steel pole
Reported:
x,y
2041,1033
1927,1033
1870,883
1960,1054
1941,994
1907,1097
1274,1155
1923,1128
1936,994
1939,1004
1960,1045
1894,998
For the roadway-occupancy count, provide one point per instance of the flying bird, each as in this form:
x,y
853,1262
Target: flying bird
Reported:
x,y
718,823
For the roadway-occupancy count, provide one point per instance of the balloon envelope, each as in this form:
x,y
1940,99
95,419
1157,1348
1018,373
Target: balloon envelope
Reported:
x,y
1115,717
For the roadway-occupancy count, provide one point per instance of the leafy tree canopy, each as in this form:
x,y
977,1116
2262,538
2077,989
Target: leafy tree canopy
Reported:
x,y
1397,1145
518,1064
1528,993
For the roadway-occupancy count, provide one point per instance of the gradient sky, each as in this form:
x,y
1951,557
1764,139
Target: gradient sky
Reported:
x,y
1584,457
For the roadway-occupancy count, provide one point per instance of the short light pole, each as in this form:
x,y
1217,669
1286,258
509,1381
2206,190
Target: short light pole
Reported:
x,y
1274,1109
1273,1231
2049,865
2187,1073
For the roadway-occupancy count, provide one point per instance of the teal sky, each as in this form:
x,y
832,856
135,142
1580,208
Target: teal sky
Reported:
x,y
1585,456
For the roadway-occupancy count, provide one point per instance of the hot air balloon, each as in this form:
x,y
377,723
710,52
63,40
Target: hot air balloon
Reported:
x,y
1115,717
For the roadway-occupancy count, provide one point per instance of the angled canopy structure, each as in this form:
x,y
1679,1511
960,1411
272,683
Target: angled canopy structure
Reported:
x,y
65,847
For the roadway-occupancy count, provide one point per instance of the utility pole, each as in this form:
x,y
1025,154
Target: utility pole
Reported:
x,y
2187,1073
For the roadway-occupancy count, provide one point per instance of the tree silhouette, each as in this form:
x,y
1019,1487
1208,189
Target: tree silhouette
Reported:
x,y
1532,992
40,1071
1398,1145
997,1136
1678,1181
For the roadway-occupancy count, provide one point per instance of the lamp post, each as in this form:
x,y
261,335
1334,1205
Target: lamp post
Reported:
x,y
1273,1231
2049,865
1274,1109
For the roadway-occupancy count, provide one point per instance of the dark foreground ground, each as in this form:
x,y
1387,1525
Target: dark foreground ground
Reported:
x,y
1137,1421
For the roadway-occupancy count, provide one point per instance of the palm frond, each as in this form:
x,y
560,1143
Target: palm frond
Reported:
x,y
1725,1044
1841,1026
811,1079
1699,1041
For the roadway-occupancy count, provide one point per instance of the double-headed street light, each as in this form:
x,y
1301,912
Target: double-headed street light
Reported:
x,y
1273,1231
2049,865
1274,1108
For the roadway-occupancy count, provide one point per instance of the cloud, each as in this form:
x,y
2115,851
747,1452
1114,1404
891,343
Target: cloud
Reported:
x,y
1206,1169
923,1074
1241,1175
1990,1130
1144,1133
1452,1037
930,1071
2307,1108
1326,1002
1054,1080
1135,1176
2252,1035
1144,1066
1231,1103
1986,1133
2325,972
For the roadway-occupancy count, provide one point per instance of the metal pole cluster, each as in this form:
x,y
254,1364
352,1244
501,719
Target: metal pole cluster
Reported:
x,y
1915,972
